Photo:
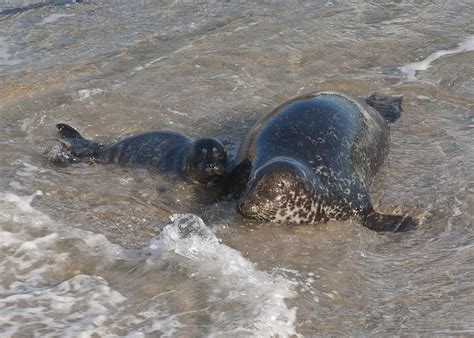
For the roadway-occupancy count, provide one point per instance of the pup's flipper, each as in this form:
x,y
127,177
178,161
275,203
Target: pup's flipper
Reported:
x,y
76,144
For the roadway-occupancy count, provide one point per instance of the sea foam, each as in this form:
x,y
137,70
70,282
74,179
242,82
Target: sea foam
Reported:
x,y
260,295
411,69
53,281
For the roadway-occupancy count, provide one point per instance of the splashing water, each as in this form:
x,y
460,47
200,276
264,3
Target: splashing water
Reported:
x,y
45,290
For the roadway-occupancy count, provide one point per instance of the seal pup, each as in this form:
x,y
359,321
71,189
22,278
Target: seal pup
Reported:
x,y
203,160
313,158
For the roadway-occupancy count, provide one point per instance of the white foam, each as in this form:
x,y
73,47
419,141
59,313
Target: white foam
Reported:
x,y
44,290
177,112
179,50
456,211
148,64
85,94
53,18
411,69
30,258
151,63
37,299
245,27
78,305
260,296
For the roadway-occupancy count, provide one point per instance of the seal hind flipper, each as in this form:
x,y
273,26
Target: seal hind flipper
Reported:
x,y
388,223
76,144
67,132
389,106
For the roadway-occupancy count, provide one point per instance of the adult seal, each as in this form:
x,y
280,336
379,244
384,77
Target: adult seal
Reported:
x,y
313,158
203,160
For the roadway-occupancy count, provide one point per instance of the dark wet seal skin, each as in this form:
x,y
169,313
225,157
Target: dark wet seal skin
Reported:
x,y
203,160
313,158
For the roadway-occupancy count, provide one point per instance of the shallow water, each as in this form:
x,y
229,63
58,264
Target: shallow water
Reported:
x,y
90,249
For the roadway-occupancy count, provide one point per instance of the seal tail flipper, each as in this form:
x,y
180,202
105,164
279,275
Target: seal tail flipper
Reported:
x,y
388,223
389,106
76,144
68,132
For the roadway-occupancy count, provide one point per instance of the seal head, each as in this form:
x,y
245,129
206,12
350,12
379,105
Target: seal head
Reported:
x,y
281,190
206,160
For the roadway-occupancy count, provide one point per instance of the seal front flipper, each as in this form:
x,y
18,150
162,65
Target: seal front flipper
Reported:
x,y
388,223
76,144
389,106
236,180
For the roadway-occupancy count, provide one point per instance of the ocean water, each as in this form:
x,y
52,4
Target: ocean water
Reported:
x,y
90,250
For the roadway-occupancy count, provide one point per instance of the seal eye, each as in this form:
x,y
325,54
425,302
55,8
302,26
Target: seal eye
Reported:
x,y
204,151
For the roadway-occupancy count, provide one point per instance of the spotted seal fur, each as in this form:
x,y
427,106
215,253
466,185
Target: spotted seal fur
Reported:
x,y
313,158
203,160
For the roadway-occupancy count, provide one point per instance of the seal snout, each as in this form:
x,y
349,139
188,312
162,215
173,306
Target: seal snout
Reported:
x,y
213,172
246,208
252,203
215,168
